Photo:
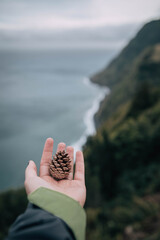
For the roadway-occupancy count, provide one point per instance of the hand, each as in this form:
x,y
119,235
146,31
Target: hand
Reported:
x,y
74,188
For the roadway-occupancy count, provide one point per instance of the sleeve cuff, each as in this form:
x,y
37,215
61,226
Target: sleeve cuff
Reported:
x,y
63,207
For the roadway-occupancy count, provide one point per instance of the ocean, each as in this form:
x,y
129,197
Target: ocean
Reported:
x,y
45,93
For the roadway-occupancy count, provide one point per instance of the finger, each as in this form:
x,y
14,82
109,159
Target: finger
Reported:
x,y
46,157
70,151
31,170
61,147
79,170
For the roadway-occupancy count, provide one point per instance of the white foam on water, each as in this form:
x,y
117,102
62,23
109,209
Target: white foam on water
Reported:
x,y
89,115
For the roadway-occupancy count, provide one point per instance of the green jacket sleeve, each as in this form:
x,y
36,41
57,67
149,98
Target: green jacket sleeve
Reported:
x,y
63,207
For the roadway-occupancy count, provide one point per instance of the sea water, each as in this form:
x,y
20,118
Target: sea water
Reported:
x,y
45,94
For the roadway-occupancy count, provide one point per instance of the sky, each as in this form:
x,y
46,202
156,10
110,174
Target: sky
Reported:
x,y
53,23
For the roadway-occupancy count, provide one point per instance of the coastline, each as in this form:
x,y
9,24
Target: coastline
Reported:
x,y
90,113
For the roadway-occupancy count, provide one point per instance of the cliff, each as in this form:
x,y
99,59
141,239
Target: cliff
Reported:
x,y
123,158
128,70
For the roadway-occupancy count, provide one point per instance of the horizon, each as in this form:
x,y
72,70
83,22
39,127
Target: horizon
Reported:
x,y
63,25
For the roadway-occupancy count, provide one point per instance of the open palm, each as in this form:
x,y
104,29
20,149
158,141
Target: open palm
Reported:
x,y
74,188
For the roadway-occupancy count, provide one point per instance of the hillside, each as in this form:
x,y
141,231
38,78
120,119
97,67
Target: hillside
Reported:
x,y
123,158
126,71
149,35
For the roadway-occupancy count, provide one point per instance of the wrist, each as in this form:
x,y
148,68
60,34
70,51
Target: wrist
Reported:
x,y
63,207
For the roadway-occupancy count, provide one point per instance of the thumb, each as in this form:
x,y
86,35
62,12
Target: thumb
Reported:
x,y
30,173
31,170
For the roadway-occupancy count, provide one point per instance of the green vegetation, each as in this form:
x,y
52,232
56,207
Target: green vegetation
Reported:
x,y
123,158
136,219
12,204
137,63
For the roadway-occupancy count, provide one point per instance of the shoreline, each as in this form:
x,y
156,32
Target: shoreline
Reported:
x,y
90,113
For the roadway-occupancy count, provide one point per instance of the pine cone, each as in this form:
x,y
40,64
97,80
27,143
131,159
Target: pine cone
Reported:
x,y
60,166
